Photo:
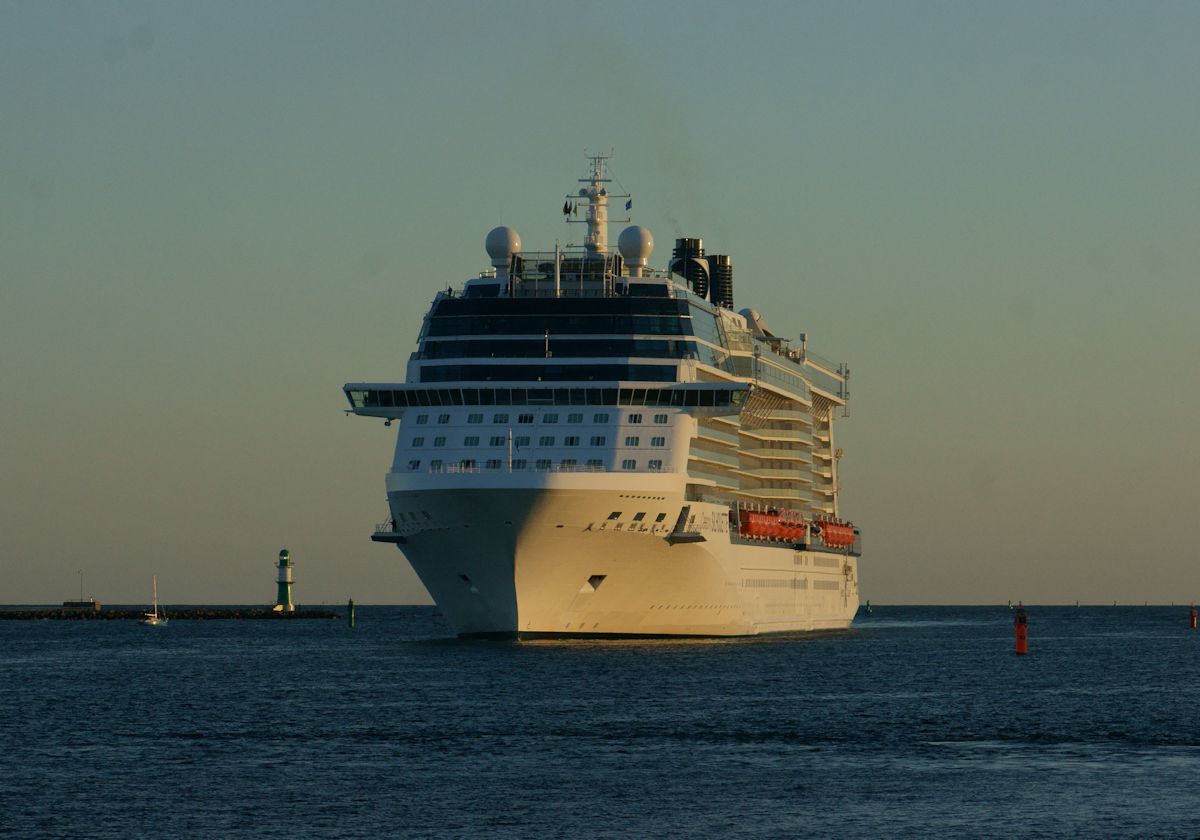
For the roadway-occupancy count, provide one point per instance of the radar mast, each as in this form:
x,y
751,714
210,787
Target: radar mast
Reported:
x,y
594,195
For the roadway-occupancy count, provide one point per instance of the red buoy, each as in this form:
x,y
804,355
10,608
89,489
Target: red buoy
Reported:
x,y
1193,616
1021,623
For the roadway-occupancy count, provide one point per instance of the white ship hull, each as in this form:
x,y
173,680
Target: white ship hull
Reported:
x,y
578,431
550,560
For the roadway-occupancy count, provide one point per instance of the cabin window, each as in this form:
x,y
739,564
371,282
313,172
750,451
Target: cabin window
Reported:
x,y
474,418
467,464
660,419
599,440
518,463
422,419
443,419
629,464
599,418
574,418
414,464
571,440
418,441
493,463
543,463
632,441
549,418
497,440
546,440
658,441
523,440
635,418
439,441
435,464
567,463
595,462
499,418
655,464
524,418
471,440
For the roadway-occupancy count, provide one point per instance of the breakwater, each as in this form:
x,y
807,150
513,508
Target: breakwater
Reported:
x,y
182,614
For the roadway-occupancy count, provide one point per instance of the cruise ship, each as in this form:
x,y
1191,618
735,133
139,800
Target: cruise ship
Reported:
x,y
589,446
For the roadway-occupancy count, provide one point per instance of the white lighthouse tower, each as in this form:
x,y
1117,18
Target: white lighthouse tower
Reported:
x,y
283,597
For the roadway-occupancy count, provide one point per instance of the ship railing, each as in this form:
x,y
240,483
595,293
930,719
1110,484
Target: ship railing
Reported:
x,y
546,468
571,287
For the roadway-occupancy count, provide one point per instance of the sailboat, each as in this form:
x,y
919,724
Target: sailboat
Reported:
x,y
154,618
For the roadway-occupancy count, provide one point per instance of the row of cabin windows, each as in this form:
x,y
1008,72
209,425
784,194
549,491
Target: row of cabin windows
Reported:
x,y
423,419
544,440
540,464
637,517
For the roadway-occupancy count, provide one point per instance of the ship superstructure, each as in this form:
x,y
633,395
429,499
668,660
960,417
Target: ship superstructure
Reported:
x,y
588,446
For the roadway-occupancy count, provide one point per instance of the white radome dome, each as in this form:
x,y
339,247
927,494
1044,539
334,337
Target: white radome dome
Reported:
x,y
635,244
501,243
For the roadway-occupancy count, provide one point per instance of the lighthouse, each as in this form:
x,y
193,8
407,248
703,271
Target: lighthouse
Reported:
x,y
283,598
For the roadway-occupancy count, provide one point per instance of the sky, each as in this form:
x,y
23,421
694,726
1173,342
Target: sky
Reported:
x,y
212,215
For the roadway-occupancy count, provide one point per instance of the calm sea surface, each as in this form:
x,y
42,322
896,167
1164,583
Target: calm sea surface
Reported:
x,y
919,722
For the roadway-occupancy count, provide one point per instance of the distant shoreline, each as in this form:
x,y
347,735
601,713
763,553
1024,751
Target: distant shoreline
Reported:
x,y
183,614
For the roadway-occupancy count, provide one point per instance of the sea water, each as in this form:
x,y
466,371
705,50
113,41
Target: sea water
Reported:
x,y
917,722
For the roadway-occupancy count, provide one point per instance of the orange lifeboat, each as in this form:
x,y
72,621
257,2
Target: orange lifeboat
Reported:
x,y
774,525
836,534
